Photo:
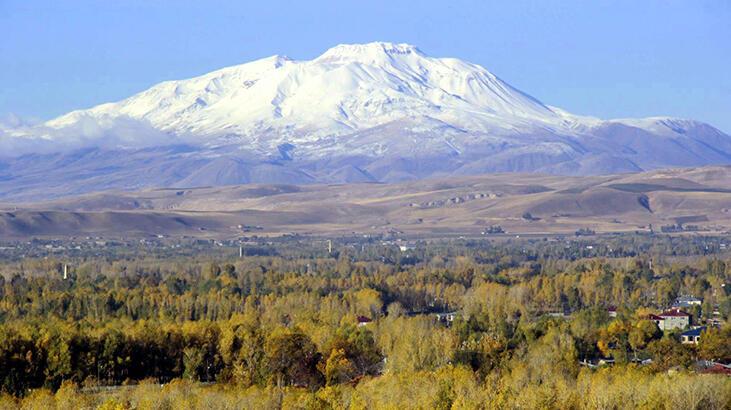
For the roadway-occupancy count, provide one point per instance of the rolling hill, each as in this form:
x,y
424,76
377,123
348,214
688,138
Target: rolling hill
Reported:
x,y
464,205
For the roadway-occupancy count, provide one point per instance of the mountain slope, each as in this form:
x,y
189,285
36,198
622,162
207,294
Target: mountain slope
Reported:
x,y
371,112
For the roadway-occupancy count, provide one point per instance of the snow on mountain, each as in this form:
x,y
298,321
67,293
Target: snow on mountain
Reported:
x,y
346,89
377,111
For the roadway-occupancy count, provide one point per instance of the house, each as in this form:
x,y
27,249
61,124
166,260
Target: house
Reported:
x,y
673,319
692,336
718,368
447,317
364,321
685,302
657,319
606,362
716,319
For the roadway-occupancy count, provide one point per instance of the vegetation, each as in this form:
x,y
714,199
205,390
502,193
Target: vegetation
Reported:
x,y
282,329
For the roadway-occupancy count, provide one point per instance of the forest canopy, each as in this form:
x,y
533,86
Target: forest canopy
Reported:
x,y
452,324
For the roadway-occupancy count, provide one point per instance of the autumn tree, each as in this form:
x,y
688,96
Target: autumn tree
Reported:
x,y
715,344
292,359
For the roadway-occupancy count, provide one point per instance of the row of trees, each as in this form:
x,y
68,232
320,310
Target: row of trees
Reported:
x,y
451,387
194,290
493,335
238,351
285,327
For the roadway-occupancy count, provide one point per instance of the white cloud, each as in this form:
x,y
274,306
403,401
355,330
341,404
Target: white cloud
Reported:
x,y
19,137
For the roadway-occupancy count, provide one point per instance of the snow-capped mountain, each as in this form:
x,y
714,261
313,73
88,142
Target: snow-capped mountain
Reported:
x,y
347,89
363,112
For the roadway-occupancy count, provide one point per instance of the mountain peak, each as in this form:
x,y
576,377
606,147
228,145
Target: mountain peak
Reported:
x,y
369,50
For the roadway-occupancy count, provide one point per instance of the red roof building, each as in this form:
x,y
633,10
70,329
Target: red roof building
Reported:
x,y
673,319
674,313
718,368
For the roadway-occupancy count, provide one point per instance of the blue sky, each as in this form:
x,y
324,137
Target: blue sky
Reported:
x,y
609,59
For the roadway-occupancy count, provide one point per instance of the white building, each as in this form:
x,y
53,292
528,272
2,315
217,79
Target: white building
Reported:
x,y
672,319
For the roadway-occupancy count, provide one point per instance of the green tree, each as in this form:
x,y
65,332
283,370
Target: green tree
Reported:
x,y
193,362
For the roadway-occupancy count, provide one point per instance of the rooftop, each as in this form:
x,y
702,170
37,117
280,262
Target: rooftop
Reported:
x,y
673,313
688,299
694,332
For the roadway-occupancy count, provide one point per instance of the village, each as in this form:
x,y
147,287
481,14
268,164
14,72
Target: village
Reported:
x,y
683,320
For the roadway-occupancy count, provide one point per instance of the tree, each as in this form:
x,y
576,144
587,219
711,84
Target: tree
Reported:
x,y
715,344
614,341
395,310
359,348
554,355
58,356
242,350
212,271
642,333
368,302
667,353
193,363
338,368
292,359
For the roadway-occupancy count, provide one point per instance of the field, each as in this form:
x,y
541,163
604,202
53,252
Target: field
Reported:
x,y
691,199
